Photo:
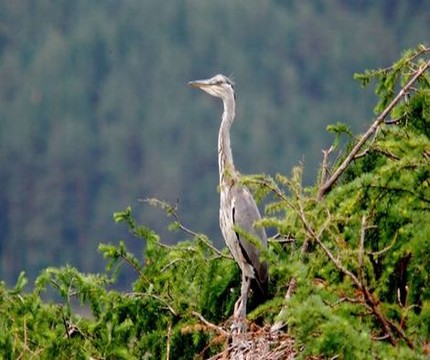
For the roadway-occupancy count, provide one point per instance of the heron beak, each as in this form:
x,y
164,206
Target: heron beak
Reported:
x,y
199,83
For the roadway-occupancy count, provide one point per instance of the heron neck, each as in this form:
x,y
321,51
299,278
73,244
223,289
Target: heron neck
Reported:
x,y
225,156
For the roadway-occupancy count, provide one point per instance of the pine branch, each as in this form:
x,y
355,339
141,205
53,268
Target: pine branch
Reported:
x,y
379,120
172,211
158,298
369,301
269,184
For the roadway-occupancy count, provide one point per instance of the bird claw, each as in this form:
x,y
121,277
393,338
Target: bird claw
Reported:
x,y
239,318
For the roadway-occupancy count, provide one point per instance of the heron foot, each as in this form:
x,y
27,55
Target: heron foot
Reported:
x,y
239,326
240,309
239,318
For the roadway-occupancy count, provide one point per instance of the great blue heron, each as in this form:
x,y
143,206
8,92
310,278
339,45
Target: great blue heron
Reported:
x,y
237,207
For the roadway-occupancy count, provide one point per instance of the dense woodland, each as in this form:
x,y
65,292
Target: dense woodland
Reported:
x,y
96,115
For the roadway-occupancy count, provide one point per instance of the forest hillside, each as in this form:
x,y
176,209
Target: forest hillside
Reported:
x,y
95,112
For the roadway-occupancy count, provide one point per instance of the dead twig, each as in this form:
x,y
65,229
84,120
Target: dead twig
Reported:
x,y
282,239
393,121
217,328
384,250
278,325
325,171
158,298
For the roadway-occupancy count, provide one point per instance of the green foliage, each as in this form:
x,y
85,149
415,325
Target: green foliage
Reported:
x,y
89,320
369,236
363,260
339,129
390,79
330,332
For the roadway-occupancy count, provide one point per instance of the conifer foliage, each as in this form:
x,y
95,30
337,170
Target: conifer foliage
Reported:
x,y
354,251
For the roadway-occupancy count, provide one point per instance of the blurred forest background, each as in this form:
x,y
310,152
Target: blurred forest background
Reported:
x,y
95,112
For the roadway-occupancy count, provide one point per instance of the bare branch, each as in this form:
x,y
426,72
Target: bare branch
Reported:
x,y
344,299
164,302
278,325
394,121
218,329
282,239
384,250
325,171
365,152
380,338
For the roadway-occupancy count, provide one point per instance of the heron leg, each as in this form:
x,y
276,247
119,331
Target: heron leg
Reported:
x,y
240,306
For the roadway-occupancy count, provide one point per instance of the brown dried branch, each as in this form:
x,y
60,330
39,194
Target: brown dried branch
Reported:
x,y
325,171
278,325
394,121
379,120
217,328
282,239
369,299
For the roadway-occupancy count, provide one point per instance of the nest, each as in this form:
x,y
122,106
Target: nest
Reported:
x,y
268,342
257,343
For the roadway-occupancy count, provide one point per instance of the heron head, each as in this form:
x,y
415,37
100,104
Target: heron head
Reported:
x,y
219,85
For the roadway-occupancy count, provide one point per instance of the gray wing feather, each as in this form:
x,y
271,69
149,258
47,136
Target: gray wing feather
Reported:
x,y
245,215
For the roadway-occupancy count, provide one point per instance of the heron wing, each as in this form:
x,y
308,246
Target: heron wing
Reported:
x,y
245,214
